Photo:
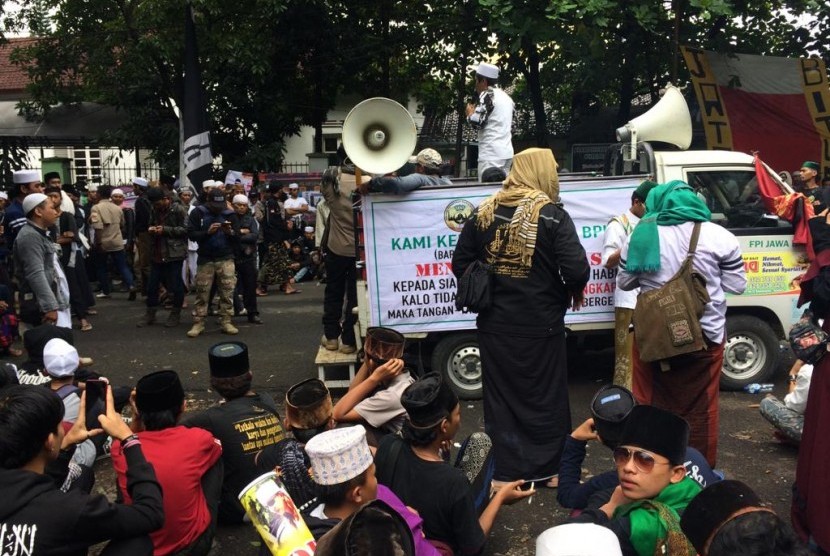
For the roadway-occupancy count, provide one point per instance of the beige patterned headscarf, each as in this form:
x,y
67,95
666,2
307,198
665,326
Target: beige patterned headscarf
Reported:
x,y
533,182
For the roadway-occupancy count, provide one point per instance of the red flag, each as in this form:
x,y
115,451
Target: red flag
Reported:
x,y
786,206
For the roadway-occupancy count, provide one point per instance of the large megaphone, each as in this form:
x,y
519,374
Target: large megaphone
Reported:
x,y
668,121
379,135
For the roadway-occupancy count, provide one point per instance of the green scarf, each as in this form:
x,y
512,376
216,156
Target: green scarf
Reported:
x,y
657,520
669,204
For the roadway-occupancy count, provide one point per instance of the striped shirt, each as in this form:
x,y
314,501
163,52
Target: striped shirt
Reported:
x,y
718,259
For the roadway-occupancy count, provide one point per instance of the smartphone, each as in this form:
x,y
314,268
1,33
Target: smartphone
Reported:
x,y
96,399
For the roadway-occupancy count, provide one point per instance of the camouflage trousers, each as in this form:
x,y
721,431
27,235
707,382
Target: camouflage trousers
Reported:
x,y
782,418
224,274
276,268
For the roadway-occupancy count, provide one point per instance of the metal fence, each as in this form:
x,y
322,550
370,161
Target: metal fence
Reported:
x,y
116,175
293,168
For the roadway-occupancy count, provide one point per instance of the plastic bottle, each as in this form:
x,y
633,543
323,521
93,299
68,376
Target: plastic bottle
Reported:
x,y
756,388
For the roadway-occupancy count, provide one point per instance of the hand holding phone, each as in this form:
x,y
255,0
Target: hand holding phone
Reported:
x,y
96,398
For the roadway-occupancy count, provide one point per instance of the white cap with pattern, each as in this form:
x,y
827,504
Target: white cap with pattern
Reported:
x,y
339,455
141,182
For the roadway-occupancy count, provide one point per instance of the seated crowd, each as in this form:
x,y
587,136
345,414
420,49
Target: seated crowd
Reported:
x,y
371,474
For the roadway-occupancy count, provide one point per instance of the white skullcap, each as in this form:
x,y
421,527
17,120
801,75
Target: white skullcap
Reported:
x,y
92,188
242,199
293,186
578,539
26,176
218,183
207,184
141,182
488,70
116,192
4,195
308,229
339,455
59,358
31,201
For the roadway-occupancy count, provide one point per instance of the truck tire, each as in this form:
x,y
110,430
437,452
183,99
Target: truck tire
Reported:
x,y
751,352
458,359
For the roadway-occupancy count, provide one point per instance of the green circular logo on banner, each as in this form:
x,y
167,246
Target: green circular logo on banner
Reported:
x,y
457,213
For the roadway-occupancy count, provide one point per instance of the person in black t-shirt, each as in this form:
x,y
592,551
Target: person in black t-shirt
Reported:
x,y
245,422
415,470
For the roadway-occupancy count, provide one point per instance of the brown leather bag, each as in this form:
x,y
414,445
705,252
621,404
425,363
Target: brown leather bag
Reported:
x,y
667,319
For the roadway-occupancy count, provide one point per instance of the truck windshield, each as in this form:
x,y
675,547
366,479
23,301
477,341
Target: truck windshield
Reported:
x,y
733,198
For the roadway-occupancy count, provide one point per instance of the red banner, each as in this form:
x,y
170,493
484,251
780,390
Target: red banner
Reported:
x,y
777,106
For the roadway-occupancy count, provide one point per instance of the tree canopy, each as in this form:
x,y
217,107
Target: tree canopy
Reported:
x,y
270,66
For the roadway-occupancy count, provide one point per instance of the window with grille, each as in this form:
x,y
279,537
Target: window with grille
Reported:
x,y
87,164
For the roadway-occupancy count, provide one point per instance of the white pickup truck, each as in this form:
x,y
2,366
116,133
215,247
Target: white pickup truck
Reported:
x,y
408,242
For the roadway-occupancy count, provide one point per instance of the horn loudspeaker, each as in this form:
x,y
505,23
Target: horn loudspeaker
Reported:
x,y
379,135
668,121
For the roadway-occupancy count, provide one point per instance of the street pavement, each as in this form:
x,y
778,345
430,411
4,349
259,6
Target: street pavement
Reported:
x,y
282,352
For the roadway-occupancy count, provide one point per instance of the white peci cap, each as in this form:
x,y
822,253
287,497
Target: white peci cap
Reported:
x,y
488,70
339,455
26,176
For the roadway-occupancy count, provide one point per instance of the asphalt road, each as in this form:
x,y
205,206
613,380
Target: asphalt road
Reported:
x,y
282,353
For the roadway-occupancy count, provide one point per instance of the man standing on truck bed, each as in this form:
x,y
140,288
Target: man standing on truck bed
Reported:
x,y
493,118
650,258
616,233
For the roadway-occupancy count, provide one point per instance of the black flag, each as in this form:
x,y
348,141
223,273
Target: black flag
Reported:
x,y
196,149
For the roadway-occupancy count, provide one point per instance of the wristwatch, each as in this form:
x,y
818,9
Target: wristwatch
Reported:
x,y
793,378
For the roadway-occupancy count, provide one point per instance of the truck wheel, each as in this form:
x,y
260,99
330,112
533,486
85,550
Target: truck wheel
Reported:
x,y
750,354
458,359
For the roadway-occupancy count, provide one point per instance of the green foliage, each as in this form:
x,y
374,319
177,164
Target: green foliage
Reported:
x,y
271,66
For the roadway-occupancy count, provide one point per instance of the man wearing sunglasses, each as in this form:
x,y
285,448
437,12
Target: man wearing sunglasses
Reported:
x,y
644,510
610,408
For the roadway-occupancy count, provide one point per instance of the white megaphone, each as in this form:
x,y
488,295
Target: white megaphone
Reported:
x,y
668,121
379,135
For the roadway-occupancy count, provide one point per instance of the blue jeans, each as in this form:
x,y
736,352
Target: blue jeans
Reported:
x,y
169,273
120,262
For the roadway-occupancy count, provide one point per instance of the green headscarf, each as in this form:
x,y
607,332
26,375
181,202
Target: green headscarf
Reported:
x,y
669,204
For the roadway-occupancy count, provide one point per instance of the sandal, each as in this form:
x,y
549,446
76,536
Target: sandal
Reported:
x,y
293,292
85,326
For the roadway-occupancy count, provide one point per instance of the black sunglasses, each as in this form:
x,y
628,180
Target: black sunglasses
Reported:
x,y
643,461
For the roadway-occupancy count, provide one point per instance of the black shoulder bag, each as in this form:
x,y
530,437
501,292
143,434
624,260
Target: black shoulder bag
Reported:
x,y
474,291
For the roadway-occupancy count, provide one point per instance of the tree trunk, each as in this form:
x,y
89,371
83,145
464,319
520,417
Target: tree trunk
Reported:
x,y
460,107
534,87
386,74
629,68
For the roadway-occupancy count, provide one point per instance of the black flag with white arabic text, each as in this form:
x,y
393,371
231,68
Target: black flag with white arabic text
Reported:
x,y
198,159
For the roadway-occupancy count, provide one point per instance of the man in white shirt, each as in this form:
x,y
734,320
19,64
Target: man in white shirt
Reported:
x,y
616,232
493,118
295,206
788,416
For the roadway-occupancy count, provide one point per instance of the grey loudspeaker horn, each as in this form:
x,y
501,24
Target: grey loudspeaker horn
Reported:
x,y
668,121
379,135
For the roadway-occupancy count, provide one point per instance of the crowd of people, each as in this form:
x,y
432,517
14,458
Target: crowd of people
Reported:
x,y
374,472
170,242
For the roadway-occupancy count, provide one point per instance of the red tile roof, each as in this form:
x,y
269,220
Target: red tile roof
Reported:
x,y
13,78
